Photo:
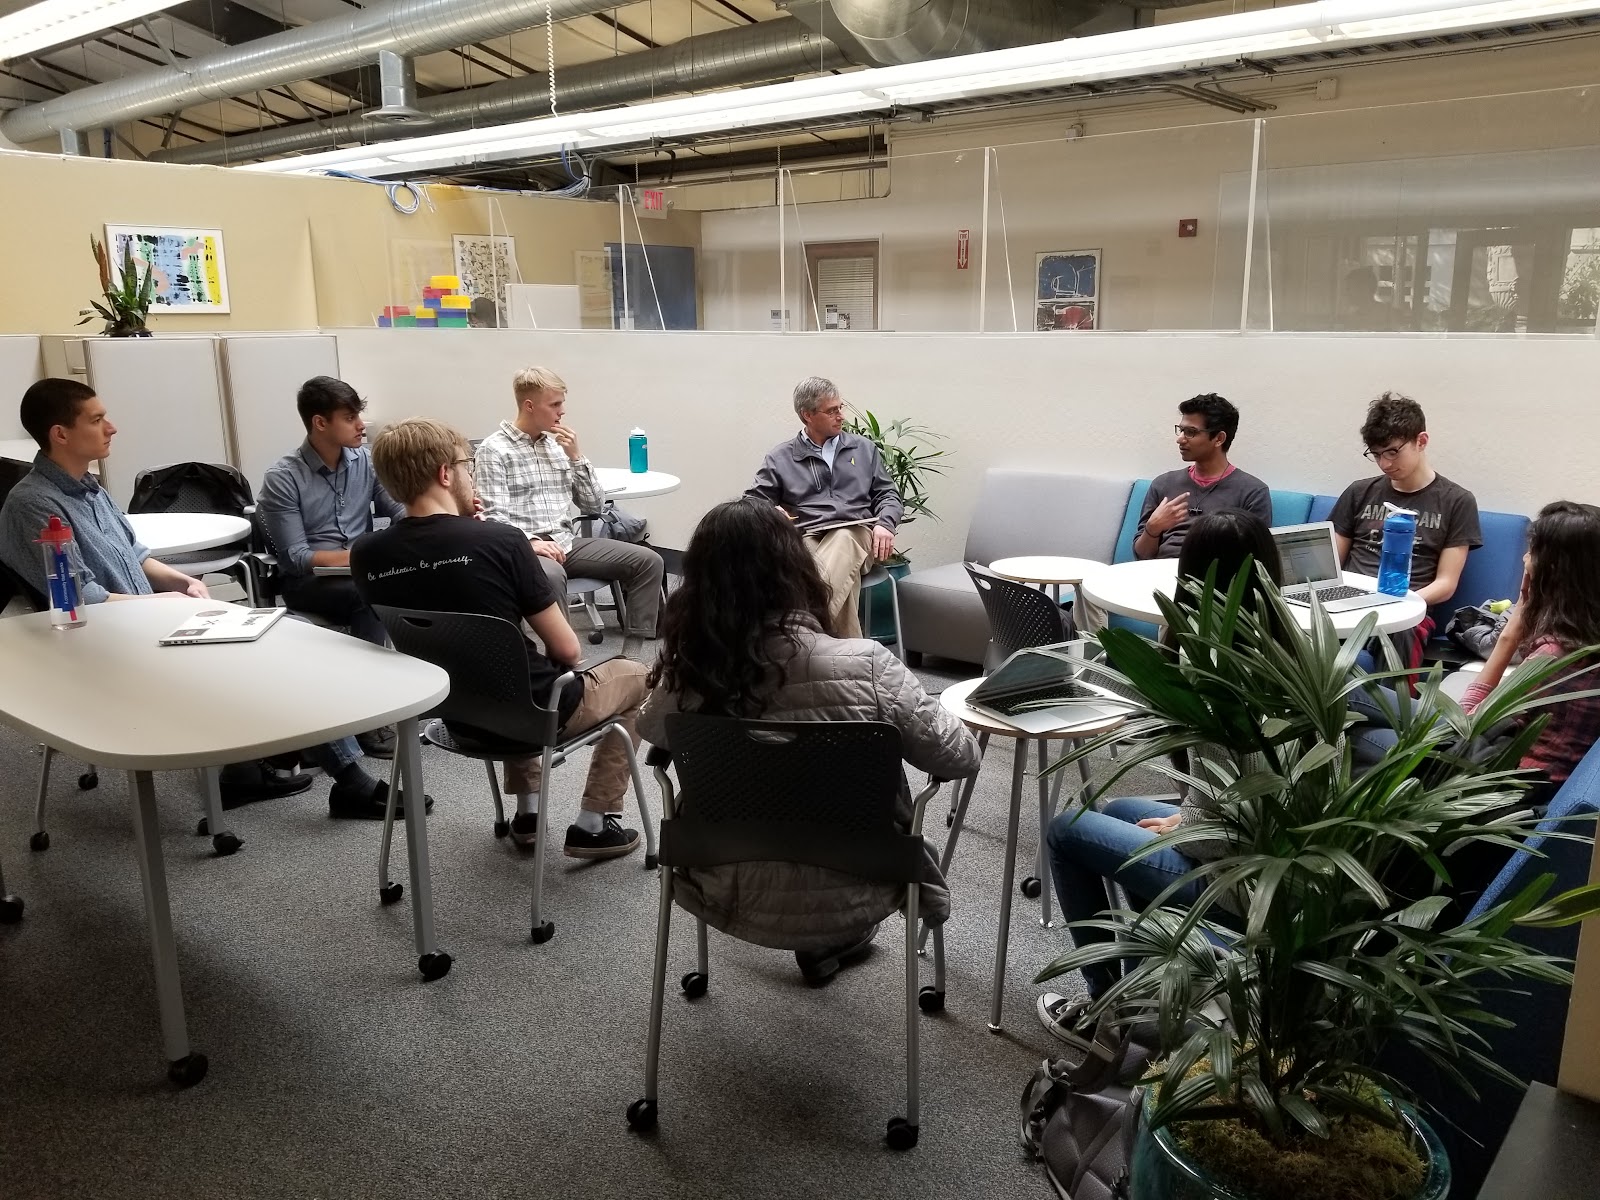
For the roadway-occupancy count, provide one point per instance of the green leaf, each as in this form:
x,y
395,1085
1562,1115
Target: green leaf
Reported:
x,y
1569,908
1304,1113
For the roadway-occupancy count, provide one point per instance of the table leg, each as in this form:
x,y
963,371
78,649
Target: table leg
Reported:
x,y
184,1067
431,961
1019,768
1046,811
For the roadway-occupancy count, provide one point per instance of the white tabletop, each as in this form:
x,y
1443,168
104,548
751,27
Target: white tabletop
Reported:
x,y
621,483
1044,568
1129,589
23,450
954,699
107,693
177,533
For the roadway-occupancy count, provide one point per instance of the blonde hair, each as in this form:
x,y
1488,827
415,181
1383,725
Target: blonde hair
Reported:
x,y
531,381
409,453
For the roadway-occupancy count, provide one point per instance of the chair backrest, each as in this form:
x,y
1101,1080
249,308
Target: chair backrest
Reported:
x,y
821,793
1494,569
13,585
1130,522
1045,512
192,487
487,661
1019,616
11,474
1291,508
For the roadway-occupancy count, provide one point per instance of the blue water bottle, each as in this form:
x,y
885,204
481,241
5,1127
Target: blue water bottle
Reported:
x,y
638,451
1394,566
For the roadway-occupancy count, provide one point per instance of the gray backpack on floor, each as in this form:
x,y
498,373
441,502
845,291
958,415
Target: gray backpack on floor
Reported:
x,y
1080,1119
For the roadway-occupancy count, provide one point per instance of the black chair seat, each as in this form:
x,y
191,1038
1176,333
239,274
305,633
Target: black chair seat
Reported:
x,y
489,748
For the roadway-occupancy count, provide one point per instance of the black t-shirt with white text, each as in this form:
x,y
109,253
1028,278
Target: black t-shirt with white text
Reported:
x,y
1447,515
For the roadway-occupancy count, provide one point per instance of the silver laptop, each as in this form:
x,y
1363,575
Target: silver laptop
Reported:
x,y
1045,676
1311,565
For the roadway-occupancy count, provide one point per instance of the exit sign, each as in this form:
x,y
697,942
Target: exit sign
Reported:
x,y
652,203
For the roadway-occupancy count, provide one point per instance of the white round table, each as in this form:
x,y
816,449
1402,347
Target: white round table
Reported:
x,y
178,533
1130,588
1051,569
622,484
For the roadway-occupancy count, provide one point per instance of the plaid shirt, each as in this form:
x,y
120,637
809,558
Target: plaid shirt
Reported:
x,y
1573,727
532,484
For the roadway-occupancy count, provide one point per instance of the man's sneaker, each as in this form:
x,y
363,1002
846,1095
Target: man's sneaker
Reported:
x,y
613,841
1065,1020
346,804
525,830
377,743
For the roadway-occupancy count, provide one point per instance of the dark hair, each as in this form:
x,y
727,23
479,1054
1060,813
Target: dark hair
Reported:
x,y
1393,416
49,403
1227,538
1221,416
323,396
1563,602
746,575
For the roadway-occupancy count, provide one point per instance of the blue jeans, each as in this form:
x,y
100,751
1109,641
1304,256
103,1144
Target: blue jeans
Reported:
x,y
1087,848
333,757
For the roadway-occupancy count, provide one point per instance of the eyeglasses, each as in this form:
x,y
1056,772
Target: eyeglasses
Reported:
x,y
1387,455
462,462
1189,431
833,411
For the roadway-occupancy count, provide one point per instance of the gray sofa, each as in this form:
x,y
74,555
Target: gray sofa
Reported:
x,y
1018,512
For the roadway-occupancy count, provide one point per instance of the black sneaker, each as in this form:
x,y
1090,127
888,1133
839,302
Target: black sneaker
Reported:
x,y
819,966
525,830
613,841
377,743
347,804
248,783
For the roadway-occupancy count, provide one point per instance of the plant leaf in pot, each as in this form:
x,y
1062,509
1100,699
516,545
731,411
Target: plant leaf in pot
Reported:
x,y
1327,924
907,458
126,311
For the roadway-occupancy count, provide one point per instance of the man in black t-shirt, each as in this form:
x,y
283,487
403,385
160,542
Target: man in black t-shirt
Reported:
x,y
439,558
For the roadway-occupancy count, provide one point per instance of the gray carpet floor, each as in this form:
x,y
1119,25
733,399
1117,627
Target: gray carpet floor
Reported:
x,y
336,1072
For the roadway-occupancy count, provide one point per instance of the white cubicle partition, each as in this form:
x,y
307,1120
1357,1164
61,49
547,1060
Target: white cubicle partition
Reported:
x,y
263,373
19,367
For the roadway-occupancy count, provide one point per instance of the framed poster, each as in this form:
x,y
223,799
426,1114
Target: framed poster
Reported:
x,y
593,271
190,272
1067,290
487,264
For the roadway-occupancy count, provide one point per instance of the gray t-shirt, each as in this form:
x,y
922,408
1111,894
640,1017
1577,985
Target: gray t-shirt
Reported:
x,y
1447,515
1236,489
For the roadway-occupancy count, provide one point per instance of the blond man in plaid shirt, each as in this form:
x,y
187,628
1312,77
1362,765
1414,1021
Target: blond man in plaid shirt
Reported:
x,y
530,472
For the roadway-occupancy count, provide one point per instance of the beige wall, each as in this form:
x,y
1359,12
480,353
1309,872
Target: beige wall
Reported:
x,y
301,252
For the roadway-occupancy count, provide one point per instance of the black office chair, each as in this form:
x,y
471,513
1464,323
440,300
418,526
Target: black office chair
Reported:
x,y
195,487
487,661
818,793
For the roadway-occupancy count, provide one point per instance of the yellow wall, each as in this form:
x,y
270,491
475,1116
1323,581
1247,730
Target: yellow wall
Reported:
x,y
301,252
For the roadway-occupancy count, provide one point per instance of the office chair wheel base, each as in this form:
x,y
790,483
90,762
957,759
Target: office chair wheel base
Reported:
x,y
188,1070
225,844
11,909
391,892
642,1115
202,828
39,840
501,828
902,1134
930,999
88,781
596,637
1031,887
542,932
650,862
434,966
695,984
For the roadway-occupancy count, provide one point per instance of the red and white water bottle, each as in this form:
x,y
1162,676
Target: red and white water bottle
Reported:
x,y
63,570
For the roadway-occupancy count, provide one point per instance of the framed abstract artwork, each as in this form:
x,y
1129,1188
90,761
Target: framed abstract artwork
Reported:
x,y
191,274
486,264
1067,290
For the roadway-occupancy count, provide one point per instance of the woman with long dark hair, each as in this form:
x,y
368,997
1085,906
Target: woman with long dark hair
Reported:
x,y
743,637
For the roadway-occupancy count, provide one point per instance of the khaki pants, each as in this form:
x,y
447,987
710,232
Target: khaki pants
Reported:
x,y
843,556
613,689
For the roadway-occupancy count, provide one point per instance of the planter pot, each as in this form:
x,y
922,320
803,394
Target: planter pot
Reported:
x,y
121,333
879,624
1162,1171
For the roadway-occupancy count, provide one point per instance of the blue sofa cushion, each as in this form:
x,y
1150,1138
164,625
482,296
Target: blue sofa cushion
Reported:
x,y
1291,508
1321,508
1130,522
1494,569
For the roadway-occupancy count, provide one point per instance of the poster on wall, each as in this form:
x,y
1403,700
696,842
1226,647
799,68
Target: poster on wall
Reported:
x,y
1067,294
487,265
190,273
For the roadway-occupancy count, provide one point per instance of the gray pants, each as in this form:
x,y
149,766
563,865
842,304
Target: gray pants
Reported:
x,y
637,568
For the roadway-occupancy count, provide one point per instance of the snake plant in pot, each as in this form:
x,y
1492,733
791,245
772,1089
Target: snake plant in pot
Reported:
x,y
126,310
1327,923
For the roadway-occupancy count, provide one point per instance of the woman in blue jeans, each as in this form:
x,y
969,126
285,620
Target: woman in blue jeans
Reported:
x,y
1088,848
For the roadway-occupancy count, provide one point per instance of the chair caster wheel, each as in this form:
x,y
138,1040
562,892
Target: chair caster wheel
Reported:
x,y
902,1134
188,1070
501,828
39,840
390,893
225,844
10,909
596,637
930,999
88,781
949,820
203,828
650,862
642,1115
695,984
1031,888
542,933
434,966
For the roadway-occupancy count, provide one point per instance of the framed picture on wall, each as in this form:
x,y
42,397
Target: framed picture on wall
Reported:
x,y
487,265
191,275
1067,290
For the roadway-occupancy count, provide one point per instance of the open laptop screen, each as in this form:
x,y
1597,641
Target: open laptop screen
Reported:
x,y
1308,554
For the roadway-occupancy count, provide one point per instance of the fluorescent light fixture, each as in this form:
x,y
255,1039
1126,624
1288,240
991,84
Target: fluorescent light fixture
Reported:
x,y
52,22
1176,45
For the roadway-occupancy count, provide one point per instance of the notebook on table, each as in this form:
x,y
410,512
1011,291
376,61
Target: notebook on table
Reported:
x,y
1310,559
217,625
1042,689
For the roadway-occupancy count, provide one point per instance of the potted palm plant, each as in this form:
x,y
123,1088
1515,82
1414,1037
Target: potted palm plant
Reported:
x,y
126,310
1326,930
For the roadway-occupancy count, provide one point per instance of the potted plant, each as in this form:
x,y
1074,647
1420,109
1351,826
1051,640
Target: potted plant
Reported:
x,y
127,305
1324,931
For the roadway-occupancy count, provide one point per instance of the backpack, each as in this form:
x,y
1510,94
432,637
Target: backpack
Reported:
x,y
613,522
1475,629
1080,1119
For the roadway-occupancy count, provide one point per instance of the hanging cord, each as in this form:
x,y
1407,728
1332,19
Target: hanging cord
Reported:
x,y
393,189
550,51
1005,238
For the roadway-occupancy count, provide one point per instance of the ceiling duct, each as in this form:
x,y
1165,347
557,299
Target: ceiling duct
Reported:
x,y
886,33
397,77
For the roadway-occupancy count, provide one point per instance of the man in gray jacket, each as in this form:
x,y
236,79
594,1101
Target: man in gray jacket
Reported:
x,y
833,485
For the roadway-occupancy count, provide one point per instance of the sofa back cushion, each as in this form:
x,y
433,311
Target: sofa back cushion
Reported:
x,y
1045,512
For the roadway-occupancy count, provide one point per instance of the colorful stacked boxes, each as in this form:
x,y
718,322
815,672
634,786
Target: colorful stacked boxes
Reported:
x,y
443,307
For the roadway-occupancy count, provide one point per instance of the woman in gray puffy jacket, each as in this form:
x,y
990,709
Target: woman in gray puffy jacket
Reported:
x,y
743,637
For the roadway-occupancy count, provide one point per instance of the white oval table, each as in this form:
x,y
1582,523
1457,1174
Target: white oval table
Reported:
x,y
1051,569
1129,589
178,533
622,484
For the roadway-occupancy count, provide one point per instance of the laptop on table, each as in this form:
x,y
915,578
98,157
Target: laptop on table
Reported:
x,y
1311,567
1043,674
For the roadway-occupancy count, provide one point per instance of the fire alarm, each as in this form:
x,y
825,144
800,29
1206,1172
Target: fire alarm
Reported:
x,y
1189,227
